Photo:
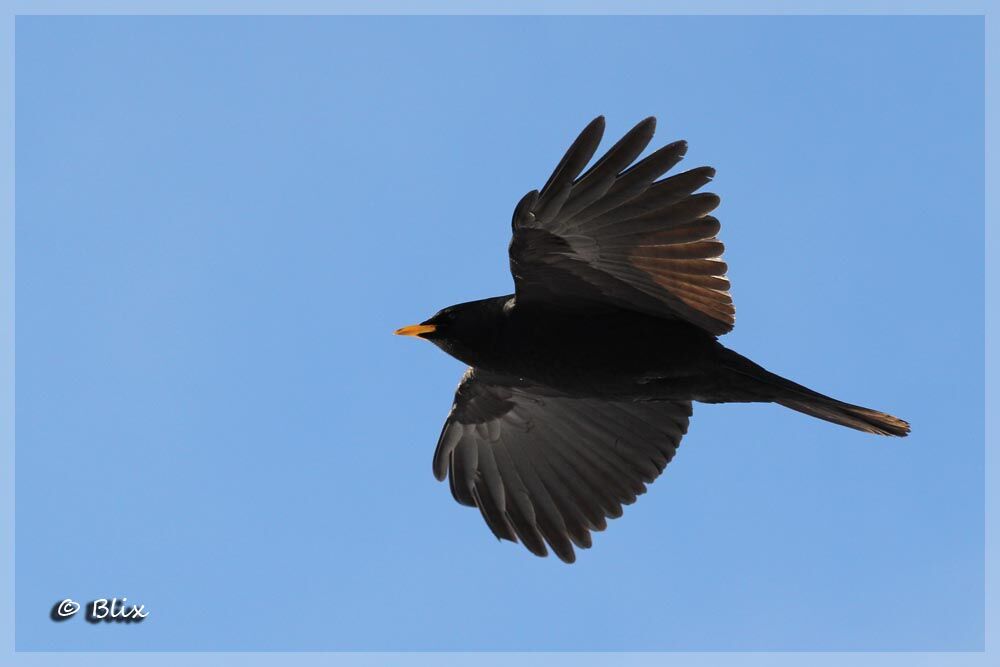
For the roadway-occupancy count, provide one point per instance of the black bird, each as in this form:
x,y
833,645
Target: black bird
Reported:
x,y
580,383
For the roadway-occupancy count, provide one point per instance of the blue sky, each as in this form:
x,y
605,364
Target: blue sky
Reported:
x,y
221,220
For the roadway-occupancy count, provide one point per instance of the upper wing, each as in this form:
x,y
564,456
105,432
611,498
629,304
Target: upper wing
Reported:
x,y
544,467
617,236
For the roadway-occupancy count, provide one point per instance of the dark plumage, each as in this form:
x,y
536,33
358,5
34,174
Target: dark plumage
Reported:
x,y
580,383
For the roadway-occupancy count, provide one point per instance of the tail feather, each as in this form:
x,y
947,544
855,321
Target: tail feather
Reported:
x,y
767,386
852,416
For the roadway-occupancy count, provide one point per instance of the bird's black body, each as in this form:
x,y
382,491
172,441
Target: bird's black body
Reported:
x,y
580,384
611,353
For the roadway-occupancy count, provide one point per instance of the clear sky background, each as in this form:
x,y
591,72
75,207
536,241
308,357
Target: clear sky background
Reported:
x,y
221,220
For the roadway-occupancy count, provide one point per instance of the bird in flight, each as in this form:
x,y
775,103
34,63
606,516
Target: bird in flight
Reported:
x,y
580,384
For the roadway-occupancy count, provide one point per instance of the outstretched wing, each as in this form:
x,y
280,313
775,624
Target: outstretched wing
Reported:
x,y
617,236
544,467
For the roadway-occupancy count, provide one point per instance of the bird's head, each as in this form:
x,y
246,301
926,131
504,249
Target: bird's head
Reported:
x,y
466,331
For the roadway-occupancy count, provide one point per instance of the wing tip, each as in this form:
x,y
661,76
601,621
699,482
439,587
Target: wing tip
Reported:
x,y
596,125
678,149
646,126
568,556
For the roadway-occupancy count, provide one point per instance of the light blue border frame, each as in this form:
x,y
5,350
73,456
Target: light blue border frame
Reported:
x,y
758,7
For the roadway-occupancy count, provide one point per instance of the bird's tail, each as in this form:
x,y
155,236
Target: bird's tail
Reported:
x,y
845,414
802,399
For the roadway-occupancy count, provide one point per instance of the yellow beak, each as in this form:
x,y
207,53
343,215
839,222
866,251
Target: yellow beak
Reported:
x,y
415,330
